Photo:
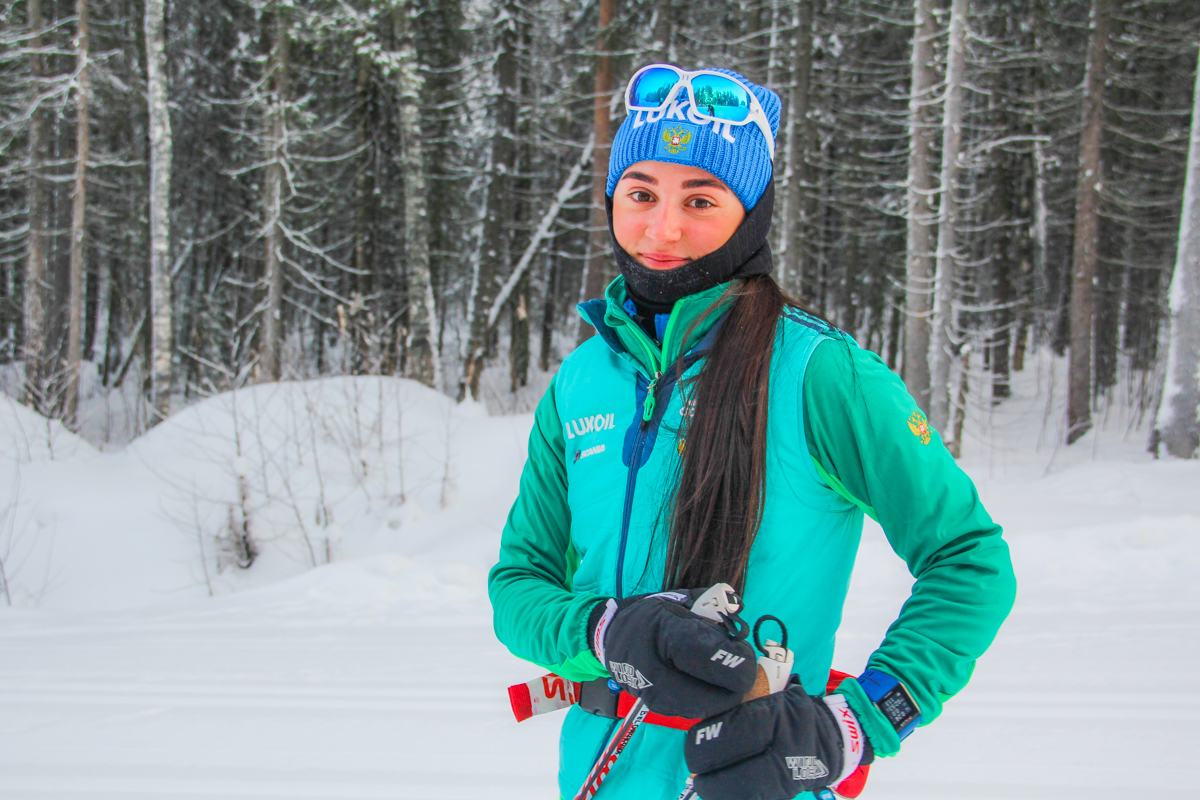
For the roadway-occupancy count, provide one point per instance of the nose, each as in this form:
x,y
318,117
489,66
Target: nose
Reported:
x,y
665,226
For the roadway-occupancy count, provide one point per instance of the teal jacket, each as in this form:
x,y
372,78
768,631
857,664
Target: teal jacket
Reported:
x,y
844,439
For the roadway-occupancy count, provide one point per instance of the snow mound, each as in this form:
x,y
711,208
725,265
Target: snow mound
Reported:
x,y
30,437
260,485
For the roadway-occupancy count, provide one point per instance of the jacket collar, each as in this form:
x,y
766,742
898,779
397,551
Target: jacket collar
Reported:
x,y
690,317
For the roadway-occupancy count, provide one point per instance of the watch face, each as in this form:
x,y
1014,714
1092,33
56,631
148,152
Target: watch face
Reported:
x,y
898,707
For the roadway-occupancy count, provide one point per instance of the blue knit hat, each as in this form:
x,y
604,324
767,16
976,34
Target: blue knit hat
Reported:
x,y
737,154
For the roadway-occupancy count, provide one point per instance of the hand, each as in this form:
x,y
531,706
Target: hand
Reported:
x,y
681,664
776,747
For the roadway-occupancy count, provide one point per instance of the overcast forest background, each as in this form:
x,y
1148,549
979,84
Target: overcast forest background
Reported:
x,y
199,196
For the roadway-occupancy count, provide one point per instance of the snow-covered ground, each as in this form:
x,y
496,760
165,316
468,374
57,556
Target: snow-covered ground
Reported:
x,y
138,660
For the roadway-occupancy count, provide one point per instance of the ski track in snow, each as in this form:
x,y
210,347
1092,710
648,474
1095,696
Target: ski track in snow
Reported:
x,y
379,677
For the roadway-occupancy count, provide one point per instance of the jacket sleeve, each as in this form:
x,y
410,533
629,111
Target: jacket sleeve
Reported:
x,y
534,611
872,444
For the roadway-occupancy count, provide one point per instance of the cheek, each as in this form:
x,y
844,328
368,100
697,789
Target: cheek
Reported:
x,y
710,235
626,229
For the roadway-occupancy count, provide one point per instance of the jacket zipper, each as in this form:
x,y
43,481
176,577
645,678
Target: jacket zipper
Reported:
x,y
630,484
648,407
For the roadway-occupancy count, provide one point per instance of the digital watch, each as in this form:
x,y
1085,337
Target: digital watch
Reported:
x,y
890,697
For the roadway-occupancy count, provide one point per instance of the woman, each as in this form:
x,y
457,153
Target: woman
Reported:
x,y
714,431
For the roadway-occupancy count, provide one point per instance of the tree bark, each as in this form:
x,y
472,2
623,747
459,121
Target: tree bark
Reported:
x,y
423,362
662,30
1178,423
1087,226
270,368
497,206
34,311
918,289
518,351
160,210
791,236
550,297
78,217
943,300
596,270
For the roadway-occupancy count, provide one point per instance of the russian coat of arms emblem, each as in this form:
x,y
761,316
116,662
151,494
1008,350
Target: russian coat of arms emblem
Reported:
x,y
919,426
676,140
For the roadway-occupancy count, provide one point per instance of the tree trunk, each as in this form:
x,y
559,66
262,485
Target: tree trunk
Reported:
x,y
1178,426
661,49
78,218
518,351
1087,227
918,289
160,210
486,281
940,341
357,348
595,271
423,361
35,260
272,328
550,297
791,235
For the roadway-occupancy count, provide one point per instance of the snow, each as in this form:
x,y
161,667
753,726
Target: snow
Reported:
x,y
377,675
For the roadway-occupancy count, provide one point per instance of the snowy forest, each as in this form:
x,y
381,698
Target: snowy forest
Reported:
x,y
197,196
281,283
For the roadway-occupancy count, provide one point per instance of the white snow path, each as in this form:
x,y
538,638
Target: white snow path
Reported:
x,y
327,689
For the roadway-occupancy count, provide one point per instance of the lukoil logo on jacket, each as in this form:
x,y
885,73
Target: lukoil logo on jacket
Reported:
x,y
595,423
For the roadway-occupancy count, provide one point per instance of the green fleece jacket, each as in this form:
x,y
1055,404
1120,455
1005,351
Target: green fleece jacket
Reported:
x,y
845,439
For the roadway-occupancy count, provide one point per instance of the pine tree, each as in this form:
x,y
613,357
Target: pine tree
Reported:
x,y
1087,225
918,290
160,209
1178,421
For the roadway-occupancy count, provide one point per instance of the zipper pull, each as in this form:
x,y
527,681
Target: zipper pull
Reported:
x,y
648,406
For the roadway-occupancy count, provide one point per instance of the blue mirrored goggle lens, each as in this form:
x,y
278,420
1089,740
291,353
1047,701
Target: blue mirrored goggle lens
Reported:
x,y
720,97
652,88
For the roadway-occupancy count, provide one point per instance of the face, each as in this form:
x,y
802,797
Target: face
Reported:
x,y
665,215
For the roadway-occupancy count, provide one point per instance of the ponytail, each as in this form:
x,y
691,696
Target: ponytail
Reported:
x,y
721,493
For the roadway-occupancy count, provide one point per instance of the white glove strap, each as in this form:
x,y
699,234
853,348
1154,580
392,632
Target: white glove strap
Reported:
x,y
610,611
852,736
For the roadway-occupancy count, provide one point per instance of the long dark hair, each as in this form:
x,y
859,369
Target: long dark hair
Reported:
x,y
721,491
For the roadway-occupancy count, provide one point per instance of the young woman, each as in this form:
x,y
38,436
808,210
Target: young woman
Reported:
x,y
713,431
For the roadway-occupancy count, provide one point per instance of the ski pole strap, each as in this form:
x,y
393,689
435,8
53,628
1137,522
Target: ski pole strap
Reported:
x,y
602,697
541,696
625,702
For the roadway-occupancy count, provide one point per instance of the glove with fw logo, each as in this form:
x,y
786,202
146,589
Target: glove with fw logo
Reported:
x,y
776,747
683,652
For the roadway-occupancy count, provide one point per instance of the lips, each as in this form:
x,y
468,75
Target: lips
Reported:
x,y
663,261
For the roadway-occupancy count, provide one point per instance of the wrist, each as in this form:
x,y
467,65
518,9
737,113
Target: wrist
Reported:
x,y
598,621
856,748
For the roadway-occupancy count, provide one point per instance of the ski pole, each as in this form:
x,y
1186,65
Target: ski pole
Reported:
x,y
718,603
774,669
616,744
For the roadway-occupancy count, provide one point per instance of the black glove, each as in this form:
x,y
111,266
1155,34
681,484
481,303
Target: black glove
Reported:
x,y
776,747
680,664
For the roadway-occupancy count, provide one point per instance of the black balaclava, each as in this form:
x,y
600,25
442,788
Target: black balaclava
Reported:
x,y
747,253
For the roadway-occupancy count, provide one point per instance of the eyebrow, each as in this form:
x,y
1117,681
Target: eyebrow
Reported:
x,y
695,183
701,183
640,176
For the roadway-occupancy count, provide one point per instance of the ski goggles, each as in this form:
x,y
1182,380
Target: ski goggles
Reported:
x,y
715,97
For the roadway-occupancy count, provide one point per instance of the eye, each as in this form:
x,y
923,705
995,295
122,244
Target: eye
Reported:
x,y
641,196
702,203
